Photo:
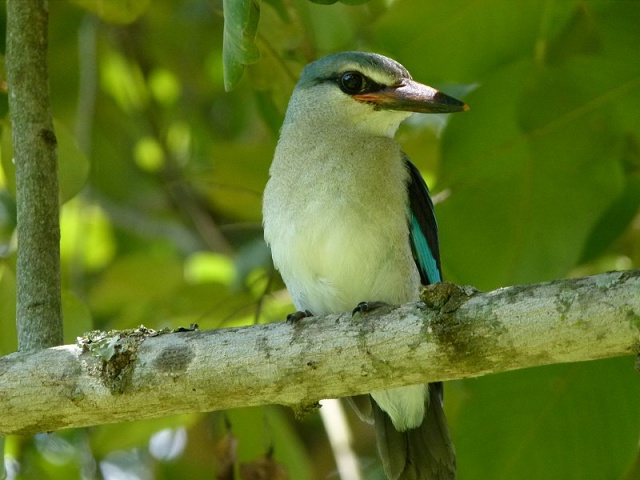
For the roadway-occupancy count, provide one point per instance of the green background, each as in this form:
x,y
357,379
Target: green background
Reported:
x,y
162,172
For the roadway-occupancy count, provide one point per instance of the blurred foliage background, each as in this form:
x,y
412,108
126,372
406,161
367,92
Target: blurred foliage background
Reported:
x,y
162,171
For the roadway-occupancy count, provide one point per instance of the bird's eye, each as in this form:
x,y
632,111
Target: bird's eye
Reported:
x,y
352,82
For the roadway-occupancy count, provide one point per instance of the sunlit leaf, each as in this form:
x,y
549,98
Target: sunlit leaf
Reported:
x,y
206,267
86,239
149,155
164,86
124,80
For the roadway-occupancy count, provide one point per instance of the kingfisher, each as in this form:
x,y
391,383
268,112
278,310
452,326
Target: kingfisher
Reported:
x,y
350,223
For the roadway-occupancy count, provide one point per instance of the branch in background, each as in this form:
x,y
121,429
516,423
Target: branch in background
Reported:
x,y
456,333
39,311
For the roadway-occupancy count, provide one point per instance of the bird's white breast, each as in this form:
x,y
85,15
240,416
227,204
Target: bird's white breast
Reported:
x,y
335,219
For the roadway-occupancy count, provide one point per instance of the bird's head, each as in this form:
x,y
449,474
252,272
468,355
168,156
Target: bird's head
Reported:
x,y
364,91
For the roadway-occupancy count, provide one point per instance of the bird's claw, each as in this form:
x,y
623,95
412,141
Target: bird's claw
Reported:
x,y
365,307
297,316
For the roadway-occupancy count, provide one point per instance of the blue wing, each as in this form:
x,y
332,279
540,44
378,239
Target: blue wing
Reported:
x,y
423,228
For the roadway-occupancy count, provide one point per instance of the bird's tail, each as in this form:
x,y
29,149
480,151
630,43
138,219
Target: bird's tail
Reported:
x,y
423,453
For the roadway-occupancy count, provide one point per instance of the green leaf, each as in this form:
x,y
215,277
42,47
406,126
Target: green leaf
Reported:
x,y
115,11
137,282
463,41
281,8
269,112
238,47
86,240
332,28
77,317
9,337
124,80
531,169
73,165
559,422
235,187
613,221
580,36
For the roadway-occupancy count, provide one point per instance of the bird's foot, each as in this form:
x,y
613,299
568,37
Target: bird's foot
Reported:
x,y
297,316
366,307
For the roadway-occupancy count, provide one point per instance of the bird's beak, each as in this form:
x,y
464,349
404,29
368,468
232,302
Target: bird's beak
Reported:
x,y
411,96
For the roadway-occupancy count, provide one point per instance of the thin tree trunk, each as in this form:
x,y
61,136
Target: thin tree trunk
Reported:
x,y
39,311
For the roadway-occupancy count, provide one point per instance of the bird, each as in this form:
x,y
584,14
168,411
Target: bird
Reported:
x,y
350,223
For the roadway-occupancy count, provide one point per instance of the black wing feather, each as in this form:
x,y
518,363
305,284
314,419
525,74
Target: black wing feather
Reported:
x,y
423,227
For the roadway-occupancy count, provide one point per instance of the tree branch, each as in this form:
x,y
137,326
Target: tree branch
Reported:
x,y
39,310
455,333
